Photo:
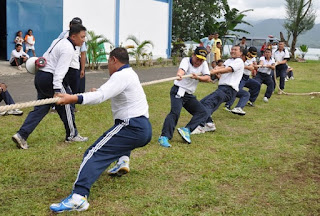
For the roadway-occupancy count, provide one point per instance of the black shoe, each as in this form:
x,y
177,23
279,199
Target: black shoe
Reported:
x,y
250,104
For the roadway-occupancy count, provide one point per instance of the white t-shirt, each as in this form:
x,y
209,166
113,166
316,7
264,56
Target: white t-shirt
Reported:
x,y
188,84
233,78
128,99
16,54
247,63
280,56
266,62
75,60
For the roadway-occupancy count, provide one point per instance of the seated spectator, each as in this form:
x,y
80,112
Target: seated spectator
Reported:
x,y
18,57
289,73
4,95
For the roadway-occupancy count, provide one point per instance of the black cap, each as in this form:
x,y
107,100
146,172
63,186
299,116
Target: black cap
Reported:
x,y
253,51
201,53
76,20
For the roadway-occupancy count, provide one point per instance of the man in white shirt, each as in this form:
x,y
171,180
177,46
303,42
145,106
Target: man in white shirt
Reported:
x,y
207,43
249,58
266,66
18,57
48,82
281,56
131,130
228,87
181,95
76,73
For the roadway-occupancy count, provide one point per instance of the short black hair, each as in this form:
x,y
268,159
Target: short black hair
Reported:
x,y
121,54
244,38
268,50
218,42
220,60
76,29
17,45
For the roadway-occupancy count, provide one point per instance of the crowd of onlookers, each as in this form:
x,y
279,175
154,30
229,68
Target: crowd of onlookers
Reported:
x,y
18,55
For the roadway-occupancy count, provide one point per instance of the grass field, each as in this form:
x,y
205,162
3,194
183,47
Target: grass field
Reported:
x,y
264,163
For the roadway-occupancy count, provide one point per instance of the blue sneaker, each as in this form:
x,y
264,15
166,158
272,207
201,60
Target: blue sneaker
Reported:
x,y
163,141
185,134
74,202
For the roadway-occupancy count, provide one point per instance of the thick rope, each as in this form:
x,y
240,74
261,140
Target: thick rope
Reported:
x,y
54,100
280,92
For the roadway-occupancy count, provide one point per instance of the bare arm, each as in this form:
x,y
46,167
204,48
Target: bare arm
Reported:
x,y
82,63
221,70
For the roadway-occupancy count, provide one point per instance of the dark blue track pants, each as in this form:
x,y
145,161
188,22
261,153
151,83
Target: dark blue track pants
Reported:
x,y
44,86
254,89
6,97
191,104
118,141
212,101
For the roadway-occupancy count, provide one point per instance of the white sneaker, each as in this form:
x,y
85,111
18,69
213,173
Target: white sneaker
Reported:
x,y
3,113
74,202
210,127
198,130
20,142
238,110
15,112
292,78
19,67
286,79
265,99
121,168
77,138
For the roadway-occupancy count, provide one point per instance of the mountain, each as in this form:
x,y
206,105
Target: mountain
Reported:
x,y
275,26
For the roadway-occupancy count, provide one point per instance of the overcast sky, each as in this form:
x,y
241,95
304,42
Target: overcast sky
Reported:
x,y
266,9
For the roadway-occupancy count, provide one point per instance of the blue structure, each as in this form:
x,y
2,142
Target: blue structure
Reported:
x,y
45,18
42,16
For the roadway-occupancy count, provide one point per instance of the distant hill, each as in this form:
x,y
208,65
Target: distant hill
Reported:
x,y
275,26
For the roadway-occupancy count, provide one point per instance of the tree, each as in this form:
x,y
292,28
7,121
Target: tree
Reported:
x,y
300,18
139,50
232,18
96,52
189,17
193,20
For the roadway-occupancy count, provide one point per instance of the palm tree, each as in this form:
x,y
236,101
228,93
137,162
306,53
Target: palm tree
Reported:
x,y
304,49
139,50
232,18
96,52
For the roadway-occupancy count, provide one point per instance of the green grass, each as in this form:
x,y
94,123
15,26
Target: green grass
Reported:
x,y
264,163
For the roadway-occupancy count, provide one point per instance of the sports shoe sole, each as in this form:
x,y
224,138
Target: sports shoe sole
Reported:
x,y
241,114
122,171
181,134
18,142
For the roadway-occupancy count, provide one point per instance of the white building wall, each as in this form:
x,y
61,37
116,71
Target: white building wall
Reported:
x,y
145,19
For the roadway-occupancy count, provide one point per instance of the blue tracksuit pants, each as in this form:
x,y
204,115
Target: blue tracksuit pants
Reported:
x,y
44,86
254,89
118,141
6,97
268,80
191,104
212,101
281,71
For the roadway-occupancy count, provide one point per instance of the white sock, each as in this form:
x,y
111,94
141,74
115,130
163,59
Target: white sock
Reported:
x,y
124,158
